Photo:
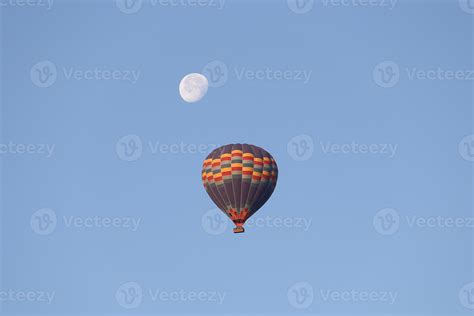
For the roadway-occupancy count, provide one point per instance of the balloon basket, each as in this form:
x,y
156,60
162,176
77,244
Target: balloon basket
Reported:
x,y
238,230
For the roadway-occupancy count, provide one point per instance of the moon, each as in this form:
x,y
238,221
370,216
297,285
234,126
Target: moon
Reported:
x,y
193,87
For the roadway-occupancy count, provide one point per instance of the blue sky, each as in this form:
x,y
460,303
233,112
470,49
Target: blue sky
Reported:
x,y
366,107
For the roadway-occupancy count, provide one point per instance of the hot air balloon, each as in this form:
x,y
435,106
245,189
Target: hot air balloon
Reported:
x,y
239,179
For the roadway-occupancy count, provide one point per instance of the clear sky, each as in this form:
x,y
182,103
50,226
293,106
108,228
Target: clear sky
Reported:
x,y
365,105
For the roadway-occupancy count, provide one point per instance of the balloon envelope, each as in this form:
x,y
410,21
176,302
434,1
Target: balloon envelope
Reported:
x,y
239,179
